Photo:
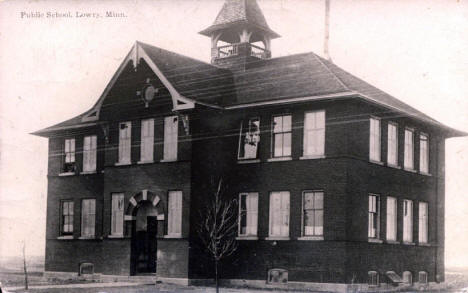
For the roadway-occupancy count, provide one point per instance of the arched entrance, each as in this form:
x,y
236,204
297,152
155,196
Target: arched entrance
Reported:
x,y
144,216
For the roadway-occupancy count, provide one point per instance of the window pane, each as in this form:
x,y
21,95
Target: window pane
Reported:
x,y
278,145
175,212
287,144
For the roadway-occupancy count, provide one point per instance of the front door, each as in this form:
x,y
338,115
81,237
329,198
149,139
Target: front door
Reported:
x,y
144,243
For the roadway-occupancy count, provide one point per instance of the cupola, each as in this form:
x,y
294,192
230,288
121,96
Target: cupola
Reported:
x,y
240,32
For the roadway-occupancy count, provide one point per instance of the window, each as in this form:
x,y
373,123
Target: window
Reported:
x,y
392,144
89,153
249,139
248,214
279,214
312,203
282,136
391,218
174,226
374,140
88,217
407,278
69,150
422,277
278,276
117,214
373,278
409,150
407,220
147,140
374,216
170,138
67,217
125,142
314,133
423,222
424,153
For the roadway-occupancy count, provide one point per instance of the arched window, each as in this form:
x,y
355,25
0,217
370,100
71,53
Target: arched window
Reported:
x,y
422,277
407,277
373,278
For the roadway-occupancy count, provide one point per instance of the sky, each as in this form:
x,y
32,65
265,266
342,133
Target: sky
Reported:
x,y
52,69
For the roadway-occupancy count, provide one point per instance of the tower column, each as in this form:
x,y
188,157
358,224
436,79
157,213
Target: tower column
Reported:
x,y
244,36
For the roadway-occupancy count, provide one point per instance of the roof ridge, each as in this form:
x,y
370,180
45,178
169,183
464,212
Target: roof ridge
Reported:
x,y
331,72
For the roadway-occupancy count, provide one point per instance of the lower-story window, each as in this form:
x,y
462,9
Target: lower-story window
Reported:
x,y
312,203
175,213
279,214
88,217
374,216
407,277
422,277
373,278
248,214
117,214
67,218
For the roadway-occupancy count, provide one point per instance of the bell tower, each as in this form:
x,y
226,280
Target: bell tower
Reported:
x,y
239,34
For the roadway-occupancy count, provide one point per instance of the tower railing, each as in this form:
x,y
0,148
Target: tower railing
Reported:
x,y
238,49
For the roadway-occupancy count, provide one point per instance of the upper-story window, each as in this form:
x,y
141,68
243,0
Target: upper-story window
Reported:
x,y
125,142
409,149
423,222
374,216
174,224
407,220
248,214
88,217
314,133
117,214
374,140
69,150
392,144
147,140
249,139
423,153
279,214
171,129
89,153
391,218
281,136
67,218
312,203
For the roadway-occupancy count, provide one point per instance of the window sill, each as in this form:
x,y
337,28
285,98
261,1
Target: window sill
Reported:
x,y
87,237
122,163
145,162
67,174
65,237
168,161
248,161
408,243
393,166
115,236
274,238
376,162
247,237
314,238
173,236
410,170
279,159
425,173
375,240
312,157
88,172
424,244
393,242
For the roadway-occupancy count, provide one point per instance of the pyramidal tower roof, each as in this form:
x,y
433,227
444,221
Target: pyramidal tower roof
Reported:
x,y
240,12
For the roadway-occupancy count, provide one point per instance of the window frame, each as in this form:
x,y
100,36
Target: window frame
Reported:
x,y
370,279
407,277
281,133
125,149
390,141
423,223
69,156
314,192
408,151
420,273
247,210
305,144
393,221
147,141
243,133
375,151
281,235
62,217
424,157
87,236
172,220
376,216
114,217
90,155
408,228
170,139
